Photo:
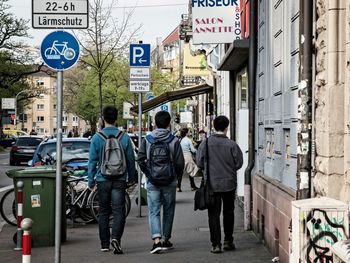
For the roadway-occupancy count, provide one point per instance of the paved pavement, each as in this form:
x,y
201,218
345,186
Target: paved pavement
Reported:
x,y
190,238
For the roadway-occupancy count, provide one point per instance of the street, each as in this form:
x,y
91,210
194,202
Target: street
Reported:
x,y
190,238
4,167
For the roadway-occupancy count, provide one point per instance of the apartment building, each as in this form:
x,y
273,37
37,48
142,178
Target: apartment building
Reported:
x,y
40,114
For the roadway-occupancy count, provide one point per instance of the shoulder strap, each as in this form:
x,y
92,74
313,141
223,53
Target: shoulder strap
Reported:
x,y
170,138
102,135
207,159
119,135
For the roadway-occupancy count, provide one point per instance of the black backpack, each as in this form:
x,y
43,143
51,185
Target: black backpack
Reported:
x,y
160,163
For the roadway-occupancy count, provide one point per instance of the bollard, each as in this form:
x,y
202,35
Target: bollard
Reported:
x,y
19,214
26,252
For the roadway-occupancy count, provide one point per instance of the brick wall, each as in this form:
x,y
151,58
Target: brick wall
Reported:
x,y
271,215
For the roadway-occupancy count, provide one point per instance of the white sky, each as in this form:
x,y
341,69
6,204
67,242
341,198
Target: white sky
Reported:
x,y
157,21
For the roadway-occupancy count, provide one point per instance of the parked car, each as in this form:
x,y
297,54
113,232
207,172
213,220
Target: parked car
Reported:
x,y
7,140
23,149
74,150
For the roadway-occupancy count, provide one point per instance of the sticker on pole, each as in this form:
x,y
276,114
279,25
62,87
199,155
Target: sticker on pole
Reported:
x,y
60,50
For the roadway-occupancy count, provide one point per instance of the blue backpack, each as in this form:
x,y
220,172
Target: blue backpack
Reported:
x,y
160,163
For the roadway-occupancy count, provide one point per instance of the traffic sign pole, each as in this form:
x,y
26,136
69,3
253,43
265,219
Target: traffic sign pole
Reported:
x,y
59,168
139,170
139,63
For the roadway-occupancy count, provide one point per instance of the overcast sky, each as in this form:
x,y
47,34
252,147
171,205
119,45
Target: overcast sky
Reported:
x,y
158,20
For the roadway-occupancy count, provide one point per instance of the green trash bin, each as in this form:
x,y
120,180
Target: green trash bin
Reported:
x,y
39,197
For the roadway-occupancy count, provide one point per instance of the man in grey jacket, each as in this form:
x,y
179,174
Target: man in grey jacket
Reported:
x,y
225,158
162,166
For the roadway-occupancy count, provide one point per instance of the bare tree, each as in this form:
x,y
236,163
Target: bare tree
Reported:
x,y
105,39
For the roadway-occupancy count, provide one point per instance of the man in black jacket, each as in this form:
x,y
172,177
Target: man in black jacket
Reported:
x,y
161,171
225,158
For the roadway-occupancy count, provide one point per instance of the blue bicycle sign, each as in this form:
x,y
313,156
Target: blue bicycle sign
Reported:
x,y
60,50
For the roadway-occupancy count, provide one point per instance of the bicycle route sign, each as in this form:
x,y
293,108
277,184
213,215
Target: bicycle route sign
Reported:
x,y
60,14
60,50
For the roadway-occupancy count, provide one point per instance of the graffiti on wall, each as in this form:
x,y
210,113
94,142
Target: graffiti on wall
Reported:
x,y
323,229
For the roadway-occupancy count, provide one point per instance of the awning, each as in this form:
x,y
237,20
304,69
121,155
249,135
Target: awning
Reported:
x,y
173,95
236,56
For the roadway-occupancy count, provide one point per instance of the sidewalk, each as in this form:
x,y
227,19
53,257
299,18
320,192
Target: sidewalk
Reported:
x,y
190,238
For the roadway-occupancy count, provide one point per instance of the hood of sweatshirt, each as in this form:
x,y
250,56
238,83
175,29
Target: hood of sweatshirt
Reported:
x,y
160,134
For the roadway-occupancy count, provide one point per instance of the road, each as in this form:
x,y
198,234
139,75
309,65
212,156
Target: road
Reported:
x,y
4,167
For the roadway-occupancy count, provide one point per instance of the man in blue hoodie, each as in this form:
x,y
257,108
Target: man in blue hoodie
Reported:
x,y
110,191
157,163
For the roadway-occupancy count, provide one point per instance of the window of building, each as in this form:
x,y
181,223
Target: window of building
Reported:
x,y
54,106
40,106
75,119
65,118
23,117
40,119
41,130
40,82
242,88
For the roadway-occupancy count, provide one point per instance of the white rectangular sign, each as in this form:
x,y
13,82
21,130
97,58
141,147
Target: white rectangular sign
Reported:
x,y
8,104
60,14
126,110
139,73
139,85
215,21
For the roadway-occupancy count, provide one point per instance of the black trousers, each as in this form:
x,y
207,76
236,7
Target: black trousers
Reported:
x,y
192,183
227,199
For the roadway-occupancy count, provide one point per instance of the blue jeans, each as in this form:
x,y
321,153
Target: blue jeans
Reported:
x,y
111,192
156,197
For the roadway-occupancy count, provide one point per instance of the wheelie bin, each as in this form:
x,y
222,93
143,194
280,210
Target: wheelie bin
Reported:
x,y
39,197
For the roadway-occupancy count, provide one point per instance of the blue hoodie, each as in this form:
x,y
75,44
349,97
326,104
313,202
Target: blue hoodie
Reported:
x,y
95,157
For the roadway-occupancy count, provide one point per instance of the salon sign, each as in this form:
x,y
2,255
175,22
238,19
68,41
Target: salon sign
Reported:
x,y
216,21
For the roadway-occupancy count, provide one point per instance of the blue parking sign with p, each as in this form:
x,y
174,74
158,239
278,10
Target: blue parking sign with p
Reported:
x,y
140,55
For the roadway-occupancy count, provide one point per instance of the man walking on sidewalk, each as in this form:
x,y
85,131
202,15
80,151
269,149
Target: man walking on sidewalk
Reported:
x,y
161,160
111,177
224,159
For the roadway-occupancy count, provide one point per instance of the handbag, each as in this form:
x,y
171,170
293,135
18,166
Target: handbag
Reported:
x,y
204,196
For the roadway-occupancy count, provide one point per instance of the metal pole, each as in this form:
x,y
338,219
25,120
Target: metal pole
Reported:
x,y
138,167
59,168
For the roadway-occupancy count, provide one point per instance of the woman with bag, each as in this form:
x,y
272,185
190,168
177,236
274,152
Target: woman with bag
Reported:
x,y
220,158
189,151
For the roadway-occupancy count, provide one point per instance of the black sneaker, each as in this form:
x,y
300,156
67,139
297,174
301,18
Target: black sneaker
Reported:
x,y
216,249
229,245
167,245
156,248
117,249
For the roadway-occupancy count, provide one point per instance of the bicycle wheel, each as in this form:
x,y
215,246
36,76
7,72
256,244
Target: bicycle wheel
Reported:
x,y
95,208
8,207
77,214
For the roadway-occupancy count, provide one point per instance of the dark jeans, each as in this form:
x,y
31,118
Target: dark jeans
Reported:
x,y
228,201
111,192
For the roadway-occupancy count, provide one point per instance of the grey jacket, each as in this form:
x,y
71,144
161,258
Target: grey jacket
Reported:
x,y
175,149
225,158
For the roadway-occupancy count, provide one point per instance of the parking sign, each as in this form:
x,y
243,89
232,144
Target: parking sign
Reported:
x,y
140,55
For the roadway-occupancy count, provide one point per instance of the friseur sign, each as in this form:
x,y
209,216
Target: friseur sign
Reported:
x,y
215,21
60,14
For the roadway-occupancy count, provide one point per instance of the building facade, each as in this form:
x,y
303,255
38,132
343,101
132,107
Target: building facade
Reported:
x,y
40,114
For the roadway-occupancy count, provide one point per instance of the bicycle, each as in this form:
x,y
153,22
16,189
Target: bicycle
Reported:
x,y
8,207
54,51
